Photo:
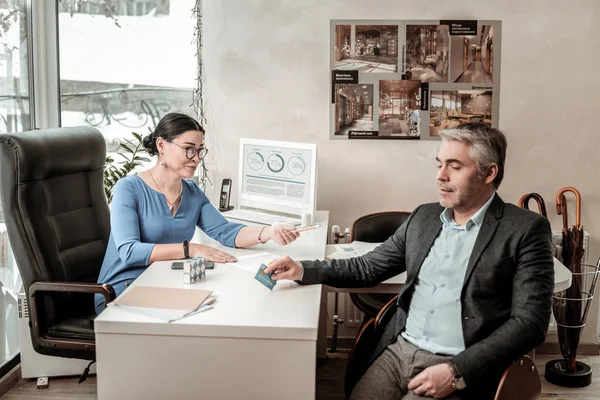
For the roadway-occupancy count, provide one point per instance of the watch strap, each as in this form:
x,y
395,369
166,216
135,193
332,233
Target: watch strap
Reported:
x,y
186,249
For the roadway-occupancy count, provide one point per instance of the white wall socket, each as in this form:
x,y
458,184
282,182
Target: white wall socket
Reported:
x,y
42,383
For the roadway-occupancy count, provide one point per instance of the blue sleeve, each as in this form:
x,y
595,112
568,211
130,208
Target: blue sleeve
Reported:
x,y
215,225
125,226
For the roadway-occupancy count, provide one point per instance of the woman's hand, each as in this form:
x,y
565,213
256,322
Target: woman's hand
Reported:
x,y
210,253
280,233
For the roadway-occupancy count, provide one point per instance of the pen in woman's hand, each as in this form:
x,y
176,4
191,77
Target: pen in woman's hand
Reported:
x,y
307,228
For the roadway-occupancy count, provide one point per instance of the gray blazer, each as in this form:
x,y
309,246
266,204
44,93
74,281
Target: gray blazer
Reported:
x,y
506,297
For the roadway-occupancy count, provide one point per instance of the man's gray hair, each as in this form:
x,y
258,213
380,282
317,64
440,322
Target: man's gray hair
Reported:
x,y
488,145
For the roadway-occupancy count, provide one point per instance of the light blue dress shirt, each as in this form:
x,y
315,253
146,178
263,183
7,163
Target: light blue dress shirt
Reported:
x,y
140,219
434,318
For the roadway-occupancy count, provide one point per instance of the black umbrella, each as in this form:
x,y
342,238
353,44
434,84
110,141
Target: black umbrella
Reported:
x,y
524,202
567,304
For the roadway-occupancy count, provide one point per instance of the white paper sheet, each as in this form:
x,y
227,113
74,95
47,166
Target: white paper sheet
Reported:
x,y
252,262
167,315
350,250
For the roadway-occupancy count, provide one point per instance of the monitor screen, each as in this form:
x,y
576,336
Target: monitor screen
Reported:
x,y
278,173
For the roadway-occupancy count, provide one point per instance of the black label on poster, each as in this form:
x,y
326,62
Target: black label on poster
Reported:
x,y
424,96
362,134
345,76
342,77
462,27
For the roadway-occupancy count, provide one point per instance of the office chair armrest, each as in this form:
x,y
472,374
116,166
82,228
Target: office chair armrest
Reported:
x,y
74,287
386,313
65,287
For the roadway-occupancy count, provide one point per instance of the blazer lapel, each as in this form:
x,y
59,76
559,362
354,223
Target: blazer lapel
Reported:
x,y
433,230
488,228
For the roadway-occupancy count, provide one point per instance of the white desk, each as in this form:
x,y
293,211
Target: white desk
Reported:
x,y
254,343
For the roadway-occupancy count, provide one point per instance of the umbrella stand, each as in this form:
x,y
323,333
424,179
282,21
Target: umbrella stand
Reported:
x,y
567,371
568,305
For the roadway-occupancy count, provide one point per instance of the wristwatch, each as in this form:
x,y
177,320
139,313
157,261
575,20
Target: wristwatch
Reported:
x,y
186,249
458,383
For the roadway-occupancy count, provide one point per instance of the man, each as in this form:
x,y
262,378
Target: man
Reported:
x,y
479,285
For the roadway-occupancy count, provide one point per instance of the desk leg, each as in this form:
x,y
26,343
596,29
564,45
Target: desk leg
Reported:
x,y
322,332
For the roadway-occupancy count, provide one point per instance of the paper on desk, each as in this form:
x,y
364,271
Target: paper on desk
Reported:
x,y
251,262
168,315
350,250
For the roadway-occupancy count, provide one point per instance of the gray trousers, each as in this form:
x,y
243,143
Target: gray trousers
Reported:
x,y
387,378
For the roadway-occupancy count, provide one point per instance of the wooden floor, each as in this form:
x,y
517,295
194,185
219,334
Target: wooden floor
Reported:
x,y
330,378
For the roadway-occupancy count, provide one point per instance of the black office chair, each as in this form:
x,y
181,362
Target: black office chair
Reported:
x,y
58,223
375,228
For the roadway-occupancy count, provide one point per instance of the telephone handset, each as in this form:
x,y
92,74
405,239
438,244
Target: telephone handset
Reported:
x,y
225,195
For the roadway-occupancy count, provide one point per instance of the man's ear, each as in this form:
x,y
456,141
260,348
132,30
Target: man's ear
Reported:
x,y
491,173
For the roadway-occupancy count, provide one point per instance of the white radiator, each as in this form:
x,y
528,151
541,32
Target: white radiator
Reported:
x,y
353,315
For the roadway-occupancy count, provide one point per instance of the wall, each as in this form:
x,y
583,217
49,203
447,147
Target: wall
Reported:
x,y
267,76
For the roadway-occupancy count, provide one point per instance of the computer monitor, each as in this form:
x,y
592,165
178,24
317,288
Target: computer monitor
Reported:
x,y
278,176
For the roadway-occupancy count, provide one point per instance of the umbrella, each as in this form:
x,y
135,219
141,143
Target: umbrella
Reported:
x,y
567,305
524,202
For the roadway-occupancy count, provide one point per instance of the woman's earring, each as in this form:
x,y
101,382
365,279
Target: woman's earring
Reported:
x,y
162,163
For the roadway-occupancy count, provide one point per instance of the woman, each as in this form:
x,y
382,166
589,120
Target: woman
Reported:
x,y
155,211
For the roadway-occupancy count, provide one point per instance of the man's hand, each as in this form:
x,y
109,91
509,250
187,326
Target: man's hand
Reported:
x,y
284,268
434,381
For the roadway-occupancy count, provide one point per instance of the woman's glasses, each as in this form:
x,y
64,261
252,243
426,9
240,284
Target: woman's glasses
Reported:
x,y
190,152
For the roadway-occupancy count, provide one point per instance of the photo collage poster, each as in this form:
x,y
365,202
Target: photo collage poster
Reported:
x,y
411,79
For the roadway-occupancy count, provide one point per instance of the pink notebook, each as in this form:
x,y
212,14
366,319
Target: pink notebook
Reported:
x,y
166,298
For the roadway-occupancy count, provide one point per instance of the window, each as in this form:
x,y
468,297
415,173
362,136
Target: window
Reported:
x,y
15,110
122,73
15,116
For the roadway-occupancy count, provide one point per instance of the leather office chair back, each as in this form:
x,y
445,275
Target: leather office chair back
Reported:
x,y
57,217
378,227
521,381
375,228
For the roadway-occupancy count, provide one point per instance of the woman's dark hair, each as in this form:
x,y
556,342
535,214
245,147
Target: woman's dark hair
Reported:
x,y
168,128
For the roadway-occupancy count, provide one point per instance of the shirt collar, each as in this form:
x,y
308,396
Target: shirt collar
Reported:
x,y
447,216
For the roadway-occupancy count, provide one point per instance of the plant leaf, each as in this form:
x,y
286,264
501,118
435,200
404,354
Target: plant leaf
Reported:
x,y
123,145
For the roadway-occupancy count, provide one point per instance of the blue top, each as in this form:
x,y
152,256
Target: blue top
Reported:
x,y
140,218
434,319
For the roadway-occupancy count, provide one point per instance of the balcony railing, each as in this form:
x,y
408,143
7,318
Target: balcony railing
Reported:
x,y
115,110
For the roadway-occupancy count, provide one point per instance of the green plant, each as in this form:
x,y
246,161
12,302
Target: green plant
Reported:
x,y
132,153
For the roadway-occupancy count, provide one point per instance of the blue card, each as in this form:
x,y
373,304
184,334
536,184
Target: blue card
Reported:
x,y
265,279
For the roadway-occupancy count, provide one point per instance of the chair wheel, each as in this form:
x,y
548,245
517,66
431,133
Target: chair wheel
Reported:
x,y
556,373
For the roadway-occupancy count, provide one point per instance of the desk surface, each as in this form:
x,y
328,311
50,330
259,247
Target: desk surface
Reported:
x,y
562,279
244,307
